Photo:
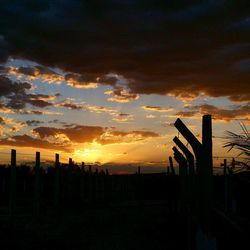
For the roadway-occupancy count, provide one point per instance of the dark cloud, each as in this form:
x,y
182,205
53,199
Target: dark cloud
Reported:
x,y
17,97
34,122
81,81
161,47
19,101
35,70
121,95
79,134
8,88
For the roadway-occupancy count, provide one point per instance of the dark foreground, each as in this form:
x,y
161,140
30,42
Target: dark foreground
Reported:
x,y
133,225
143,225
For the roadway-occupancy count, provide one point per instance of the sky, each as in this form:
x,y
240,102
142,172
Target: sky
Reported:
x,y
104,81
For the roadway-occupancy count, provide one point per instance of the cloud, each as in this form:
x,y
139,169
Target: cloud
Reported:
x,y
160,48
28,141
186,113
8,125
19,101
55,76
78,134
16,96
167,124
150,116
70,104
34,122
30,73
218,113
157,108
226,114
113,137
123,117
37,112
9,88
72,135
121,96
81,81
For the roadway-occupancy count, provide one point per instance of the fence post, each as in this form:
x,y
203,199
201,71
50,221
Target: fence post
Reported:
x,y
191,172
82,182
178,156
57,181
37,185
204,159
90,185
206,174
224,164
171,165
12,198
69,184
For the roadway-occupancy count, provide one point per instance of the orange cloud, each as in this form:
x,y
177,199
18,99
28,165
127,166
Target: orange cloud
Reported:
x,y
157,108
121,96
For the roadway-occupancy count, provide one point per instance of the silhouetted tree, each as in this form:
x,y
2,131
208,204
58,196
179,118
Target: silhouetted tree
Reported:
x,y
241,142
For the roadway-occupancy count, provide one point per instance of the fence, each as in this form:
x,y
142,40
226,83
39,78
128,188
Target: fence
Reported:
x,y
32,188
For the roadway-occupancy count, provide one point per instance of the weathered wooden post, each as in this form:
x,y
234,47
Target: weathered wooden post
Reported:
x,y
12,199
57,181
37,185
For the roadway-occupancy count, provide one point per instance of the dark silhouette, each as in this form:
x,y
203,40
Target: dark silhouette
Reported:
x,y
75,206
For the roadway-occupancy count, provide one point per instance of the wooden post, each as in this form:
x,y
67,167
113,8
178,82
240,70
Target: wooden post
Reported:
x,y
232,201
90,185
182,177
37,185
57,181
90,169
82,176
206,174
83,167
70,180
224,164
139,170
12,199
171,165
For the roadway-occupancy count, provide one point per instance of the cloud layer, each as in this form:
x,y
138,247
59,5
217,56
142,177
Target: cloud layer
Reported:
x,y
71,135
182,48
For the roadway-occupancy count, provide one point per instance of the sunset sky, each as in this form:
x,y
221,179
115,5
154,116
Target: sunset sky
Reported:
x,y
104,81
